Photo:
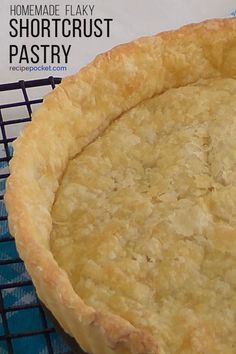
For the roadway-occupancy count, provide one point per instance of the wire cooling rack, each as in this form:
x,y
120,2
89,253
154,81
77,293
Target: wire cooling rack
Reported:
x,y
24,326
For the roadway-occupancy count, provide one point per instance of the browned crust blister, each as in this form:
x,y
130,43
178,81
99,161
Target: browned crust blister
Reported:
x,y
69,119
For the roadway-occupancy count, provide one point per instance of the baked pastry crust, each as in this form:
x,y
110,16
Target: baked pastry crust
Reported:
x,y
73,116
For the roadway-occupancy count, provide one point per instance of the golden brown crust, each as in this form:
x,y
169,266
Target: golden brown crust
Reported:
x,y
71,117
139,215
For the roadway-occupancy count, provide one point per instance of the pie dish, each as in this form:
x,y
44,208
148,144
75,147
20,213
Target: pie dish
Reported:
x,y
122,196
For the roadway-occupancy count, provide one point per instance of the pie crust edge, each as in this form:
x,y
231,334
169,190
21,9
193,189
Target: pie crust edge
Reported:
x,y
72,116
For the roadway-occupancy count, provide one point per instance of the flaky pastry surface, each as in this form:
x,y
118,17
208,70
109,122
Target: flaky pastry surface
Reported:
x,y
144,220
174,187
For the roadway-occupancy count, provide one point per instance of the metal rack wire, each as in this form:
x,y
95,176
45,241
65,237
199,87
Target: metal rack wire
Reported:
x,y
24,326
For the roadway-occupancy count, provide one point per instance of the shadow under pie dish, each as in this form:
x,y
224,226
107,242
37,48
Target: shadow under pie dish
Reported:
x,y
122,196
